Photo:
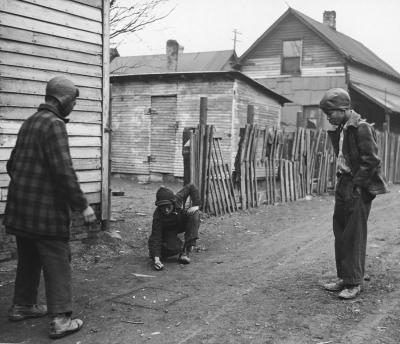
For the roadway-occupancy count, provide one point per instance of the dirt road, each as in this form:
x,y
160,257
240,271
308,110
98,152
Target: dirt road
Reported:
x,y
255,279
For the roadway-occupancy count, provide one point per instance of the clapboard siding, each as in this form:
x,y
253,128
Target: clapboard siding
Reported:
x,y
132,130
49,63
12,85
28,73
56,53
19,113
53,42
33,101
84,10
50,15
40,39
318,58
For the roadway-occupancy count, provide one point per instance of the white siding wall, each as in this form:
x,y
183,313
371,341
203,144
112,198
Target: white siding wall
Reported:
x,y
227,111
41,39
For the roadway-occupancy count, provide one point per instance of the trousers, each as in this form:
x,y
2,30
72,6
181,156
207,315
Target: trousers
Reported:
x,y
350,219
188,224
53,257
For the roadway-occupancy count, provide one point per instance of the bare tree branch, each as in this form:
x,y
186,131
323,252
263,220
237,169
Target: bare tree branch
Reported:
x,y
134,15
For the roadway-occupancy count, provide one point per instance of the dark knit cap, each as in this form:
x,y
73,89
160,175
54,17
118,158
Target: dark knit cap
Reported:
x,y
164,196
335,99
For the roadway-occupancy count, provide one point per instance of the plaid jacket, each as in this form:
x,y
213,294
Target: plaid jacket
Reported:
x,y
44,186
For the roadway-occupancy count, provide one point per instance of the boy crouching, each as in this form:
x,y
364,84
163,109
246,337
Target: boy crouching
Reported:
x,y
171,218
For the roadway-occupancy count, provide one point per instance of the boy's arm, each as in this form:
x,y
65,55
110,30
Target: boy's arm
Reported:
x,y
155,240
188,190
368,152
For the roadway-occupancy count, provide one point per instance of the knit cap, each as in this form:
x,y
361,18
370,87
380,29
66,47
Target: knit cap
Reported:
x,y
335,99
164,196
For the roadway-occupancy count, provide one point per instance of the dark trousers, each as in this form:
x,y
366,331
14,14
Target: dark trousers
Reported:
x,y
51,256
188,224
350,230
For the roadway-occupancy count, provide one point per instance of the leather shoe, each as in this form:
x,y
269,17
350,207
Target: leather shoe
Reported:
x,y
334,286
63,325
184,258
21,312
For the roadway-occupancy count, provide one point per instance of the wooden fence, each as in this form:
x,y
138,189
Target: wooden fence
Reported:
x,y
276,166
389,152
272,166
209,171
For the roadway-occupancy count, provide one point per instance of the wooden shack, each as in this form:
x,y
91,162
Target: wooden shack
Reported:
x,y
150,112
301,58
41,39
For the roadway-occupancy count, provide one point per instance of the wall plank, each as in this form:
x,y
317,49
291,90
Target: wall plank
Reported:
x,y
33,101
16,21
27,73
43,39
11,85
20,113
71,7
54,53
35,62
45,14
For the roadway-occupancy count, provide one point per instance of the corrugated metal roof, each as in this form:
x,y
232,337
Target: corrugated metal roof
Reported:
x,y
209,61
352,49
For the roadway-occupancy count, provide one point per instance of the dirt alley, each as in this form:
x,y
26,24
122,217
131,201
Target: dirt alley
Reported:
x,y
255,278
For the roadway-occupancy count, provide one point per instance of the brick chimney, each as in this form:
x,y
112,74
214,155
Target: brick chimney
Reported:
x,y
329,19
172,55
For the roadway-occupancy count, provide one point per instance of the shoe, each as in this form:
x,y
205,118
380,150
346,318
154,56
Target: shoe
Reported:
x,y
20,312
184,258
63,325
350,292
334,286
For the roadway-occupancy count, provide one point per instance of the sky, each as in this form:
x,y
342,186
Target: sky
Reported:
x,y
207,25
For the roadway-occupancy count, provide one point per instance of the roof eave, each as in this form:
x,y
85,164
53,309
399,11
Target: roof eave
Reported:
x,y
350,59
371,99
233,74
265,34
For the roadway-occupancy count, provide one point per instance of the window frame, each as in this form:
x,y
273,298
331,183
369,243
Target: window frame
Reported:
x,y
288,58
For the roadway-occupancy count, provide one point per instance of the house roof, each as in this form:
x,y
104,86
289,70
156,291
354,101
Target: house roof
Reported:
x,y
348,47
209,61
188,75
386,100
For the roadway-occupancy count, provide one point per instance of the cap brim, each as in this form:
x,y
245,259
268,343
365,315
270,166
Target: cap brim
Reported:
x,y
163,202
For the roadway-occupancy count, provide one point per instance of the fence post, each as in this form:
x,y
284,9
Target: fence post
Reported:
x,y
250,114
203,110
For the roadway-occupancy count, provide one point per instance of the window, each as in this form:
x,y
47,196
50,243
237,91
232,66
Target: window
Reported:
x,y
291,57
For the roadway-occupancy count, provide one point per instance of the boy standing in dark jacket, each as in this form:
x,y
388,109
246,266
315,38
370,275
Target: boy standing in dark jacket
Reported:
x,y
171,218
359,181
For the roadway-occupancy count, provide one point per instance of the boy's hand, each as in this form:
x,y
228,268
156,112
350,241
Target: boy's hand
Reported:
x,y
89,215
192,210
157,264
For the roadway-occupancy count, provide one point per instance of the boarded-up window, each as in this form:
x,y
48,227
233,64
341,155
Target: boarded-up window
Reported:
x,y
291,57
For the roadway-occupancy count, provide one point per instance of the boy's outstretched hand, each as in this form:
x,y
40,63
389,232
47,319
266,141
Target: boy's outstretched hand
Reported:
x,y
157,264
192,210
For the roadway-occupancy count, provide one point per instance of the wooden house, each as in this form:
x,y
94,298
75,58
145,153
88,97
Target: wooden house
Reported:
x,y
155,97
41,39
301,58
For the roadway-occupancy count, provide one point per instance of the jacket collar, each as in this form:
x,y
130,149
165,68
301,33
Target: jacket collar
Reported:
x,y
354,120
54,110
